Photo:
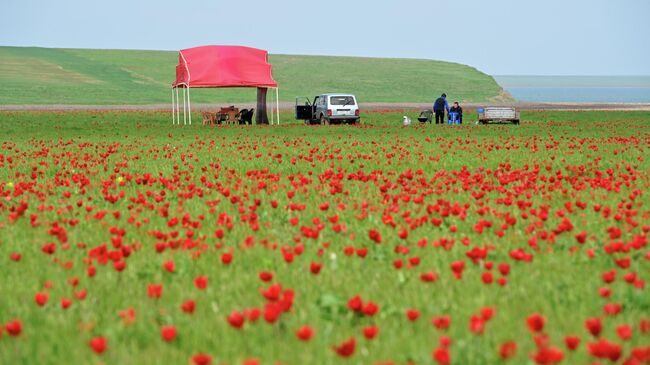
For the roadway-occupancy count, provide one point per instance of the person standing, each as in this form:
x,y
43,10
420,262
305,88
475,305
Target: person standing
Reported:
x,y
457,109
439,107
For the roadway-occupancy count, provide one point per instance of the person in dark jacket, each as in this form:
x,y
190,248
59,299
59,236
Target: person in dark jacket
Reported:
x,y
457,109
439,107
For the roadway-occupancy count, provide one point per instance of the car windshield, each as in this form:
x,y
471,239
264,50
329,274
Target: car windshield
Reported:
x,y
342,100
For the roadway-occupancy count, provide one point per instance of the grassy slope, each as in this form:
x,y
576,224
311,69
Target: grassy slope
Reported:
x,y
83,76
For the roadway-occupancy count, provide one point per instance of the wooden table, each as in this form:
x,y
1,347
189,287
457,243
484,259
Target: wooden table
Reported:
x,y
230,114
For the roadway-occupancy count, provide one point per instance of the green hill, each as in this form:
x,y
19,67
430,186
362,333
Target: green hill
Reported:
x,y
85,76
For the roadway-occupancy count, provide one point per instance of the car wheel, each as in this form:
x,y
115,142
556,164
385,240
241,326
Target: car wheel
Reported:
x,y
324,120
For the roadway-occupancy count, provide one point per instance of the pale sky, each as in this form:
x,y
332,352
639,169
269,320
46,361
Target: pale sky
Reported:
x,y
527,37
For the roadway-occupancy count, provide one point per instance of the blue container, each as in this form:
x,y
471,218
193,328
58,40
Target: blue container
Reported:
x,y
453,118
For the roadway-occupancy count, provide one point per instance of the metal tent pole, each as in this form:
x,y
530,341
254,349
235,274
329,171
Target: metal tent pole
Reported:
x,y
173,111
277,102
189,105
184,107
178,108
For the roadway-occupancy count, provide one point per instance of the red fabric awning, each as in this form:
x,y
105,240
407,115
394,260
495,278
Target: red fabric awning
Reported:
x,y
223,66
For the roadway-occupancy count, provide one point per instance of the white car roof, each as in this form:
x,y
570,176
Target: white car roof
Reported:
x,y
338,94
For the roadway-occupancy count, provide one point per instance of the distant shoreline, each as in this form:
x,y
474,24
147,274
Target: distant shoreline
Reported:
x,y
579,89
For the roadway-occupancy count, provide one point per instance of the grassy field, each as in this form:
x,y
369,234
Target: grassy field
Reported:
x,y
510,232
84,76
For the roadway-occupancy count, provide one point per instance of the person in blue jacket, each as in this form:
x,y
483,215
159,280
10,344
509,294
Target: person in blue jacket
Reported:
x,y
439,107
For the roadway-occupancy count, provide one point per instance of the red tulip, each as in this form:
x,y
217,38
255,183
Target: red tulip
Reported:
x,y
154,291
487,277
612,309
188,306
429,277
547,356
41,298
236,319
604,349
346,348
201,359
442,322
535,322
14,328
572,342
98,344
370,332
226,258
315,268
487,313
169,266
644,326
272,311
252,314
374,235
272,293
81,294
305,333
457,267
119,266
355,303
168,333
412,314
604,292
508,350
442,356
624,331
370,309
128,315
266,276
65,303
476,325
609,276
201,282
594,326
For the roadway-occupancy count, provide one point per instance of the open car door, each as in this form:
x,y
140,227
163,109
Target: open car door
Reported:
x,y
304,109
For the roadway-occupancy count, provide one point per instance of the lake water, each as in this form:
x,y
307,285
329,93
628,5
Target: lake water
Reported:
x,y
579,89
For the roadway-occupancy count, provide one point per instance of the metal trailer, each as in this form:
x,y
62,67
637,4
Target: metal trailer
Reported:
x,y
498,114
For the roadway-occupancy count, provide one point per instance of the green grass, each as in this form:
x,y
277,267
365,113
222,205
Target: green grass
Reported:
x,y
85,76
45,155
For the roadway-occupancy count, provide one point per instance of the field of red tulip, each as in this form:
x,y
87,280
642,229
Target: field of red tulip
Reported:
x,y
124,240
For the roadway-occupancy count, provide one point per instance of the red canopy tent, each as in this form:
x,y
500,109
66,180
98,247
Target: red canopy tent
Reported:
x,y
219,67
